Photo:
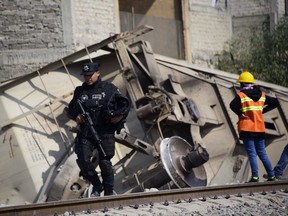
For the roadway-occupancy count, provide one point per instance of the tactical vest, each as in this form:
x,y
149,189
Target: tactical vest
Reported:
x,y
252,109
93,101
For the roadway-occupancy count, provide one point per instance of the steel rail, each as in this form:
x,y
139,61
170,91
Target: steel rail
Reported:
x,y
136,199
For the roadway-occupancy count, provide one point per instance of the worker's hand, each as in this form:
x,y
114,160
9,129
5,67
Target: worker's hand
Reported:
x,y
244,117
80,119
115,119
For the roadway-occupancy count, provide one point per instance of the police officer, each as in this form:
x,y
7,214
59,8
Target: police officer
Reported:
x,y
250,104
108,110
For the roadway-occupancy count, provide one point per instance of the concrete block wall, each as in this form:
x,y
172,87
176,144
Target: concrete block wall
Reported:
x,y
94,20
249,7
247,13
211,27
35,33
24,26
279,7
31,35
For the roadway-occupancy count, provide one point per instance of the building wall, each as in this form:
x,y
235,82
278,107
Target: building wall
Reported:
x,y
210,28
35,33
31,34
212,25
94,20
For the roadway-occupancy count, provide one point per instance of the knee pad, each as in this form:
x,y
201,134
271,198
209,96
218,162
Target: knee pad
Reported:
x,y
85,165
108,144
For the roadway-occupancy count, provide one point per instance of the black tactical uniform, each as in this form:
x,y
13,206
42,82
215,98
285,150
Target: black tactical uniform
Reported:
x,y
101,100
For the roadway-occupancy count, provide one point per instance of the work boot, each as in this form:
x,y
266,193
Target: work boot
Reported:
x,y
271,178
95,194
253,179
96,191
108,192
278,177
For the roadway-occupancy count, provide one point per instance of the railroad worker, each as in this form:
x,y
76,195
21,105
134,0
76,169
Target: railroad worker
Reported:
x,y
281,165
250,104
107,109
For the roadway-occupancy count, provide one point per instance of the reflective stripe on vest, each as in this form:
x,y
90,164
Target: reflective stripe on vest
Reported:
x,y
252,109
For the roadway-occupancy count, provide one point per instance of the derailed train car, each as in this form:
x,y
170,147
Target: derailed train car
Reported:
x,y
179,133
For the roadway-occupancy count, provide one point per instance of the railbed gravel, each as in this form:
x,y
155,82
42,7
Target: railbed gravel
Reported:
x,y
269,204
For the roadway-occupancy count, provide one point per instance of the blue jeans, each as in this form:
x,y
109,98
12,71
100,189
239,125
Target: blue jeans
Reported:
x,y
282,163
256,146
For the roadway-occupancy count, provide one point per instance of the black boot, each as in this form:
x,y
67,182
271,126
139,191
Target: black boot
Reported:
x,y
96,191
108,192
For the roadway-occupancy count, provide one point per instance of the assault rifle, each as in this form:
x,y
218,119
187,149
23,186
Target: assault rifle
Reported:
x,y
90,124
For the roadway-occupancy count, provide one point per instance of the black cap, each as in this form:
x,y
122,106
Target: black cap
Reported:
x,y
89,68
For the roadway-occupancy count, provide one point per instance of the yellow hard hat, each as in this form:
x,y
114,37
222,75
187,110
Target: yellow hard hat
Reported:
x,y
246,77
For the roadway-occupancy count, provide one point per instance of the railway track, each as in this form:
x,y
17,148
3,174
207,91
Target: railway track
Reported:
x,y
135,200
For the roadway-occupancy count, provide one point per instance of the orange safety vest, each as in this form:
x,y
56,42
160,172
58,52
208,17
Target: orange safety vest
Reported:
x,y
253,109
